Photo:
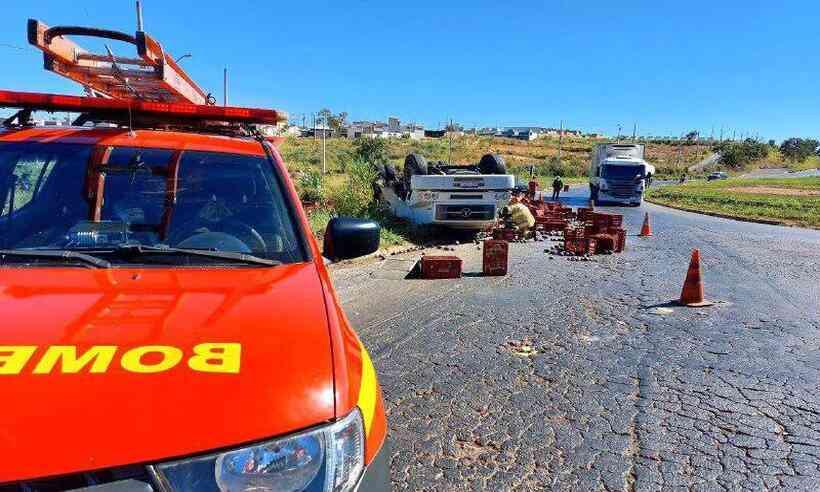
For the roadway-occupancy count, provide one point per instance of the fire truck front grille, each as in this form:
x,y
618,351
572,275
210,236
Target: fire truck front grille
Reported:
x,y
122,479
465,212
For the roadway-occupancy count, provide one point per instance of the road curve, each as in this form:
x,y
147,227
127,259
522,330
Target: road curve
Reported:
x,y
579,376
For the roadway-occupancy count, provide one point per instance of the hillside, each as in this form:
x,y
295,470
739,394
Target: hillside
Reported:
x,y
306,153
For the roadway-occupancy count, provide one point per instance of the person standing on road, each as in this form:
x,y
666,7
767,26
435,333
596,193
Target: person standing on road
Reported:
x,y
557,184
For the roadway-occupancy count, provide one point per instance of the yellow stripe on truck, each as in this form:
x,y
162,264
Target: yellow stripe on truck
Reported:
x,y
367,391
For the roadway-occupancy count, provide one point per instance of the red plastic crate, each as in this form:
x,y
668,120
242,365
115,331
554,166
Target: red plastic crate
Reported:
x,y
503,233
440,267
495,257
581,245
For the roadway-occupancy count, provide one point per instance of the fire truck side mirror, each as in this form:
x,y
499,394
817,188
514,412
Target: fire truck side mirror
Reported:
x,y
347,238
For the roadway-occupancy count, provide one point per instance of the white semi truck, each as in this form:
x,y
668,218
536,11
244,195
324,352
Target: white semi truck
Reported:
x,y
461,197
618,173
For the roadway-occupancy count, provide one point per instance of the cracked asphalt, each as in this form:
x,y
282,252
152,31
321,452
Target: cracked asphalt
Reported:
x,y
580,376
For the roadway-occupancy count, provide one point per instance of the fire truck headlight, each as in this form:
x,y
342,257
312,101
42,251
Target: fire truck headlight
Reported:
x,y
330,459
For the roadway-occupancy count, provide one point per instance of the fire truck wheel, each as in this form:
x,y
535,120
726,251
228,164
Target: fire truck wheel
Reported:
x,y
492,164
414,164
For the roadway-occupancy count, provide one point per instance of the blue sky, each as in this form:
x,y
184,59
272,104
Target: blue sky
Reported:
x,y
669,66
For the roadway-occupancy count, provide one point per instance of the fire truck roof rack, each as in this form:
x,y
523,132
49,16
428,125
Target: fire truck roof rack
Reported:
x,y
153,76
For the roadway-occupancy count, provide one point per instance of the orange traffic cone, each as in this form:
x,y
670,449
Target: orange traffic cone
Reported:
x,y
646,230
692,293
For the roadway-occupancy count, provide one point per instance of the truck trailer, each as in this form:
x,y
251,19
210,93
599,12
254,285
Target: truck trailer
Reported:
x,y
619,174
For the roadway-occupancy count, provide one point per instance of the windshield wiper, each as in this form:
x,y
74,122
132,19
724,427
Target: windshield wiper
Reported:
x,y
139,249
57,254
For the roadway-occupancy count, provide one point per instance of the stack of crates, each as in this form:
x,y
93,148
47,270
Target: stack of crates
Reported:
x,y
578,243
583,213
549,216
607,229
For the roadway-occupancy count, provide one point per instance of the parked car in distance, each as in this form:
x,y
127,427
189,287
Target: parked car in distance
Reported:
x,y
717,175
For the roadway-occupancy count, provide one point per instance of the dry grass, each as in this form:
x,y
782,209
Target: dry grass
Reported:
x,y
306,153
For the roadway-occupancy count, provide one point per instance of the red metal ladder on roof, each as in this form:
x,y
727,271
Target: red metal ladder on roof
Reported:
x,y
153,76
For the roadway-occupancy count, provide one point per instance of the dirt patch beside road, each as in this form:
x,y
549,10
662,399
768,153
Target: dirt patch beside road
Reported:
x,y
773,190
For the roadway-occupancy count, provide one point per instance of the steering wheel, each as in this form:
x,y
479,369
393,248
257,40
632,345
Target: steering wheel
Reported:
x,y
240,230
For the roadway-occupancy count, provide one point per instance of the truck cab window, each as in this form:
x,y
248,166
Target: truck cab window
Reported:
x,y
22,178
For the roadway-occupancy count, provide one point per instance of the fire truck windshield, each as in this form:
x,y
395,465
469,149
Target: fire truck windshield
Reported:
x,y
73,197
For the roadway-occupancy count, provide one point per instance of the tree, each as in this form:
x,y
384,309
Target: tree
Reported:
x,y
692,136
798,149
736,155
336,122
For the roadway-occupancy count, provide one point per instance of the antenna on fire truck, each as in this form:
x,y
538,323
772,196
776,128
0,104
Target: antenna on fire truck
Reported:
x,y
139,15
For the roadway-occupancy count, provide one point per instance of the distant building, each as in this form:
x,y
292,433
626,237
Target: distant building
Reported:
x,y
522,133
392,129
318,131
44,122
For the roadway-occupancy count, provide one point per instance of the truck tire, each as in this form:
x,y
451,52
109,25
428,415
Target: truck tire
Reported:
x,y
492,164
593,194
414,165
389,173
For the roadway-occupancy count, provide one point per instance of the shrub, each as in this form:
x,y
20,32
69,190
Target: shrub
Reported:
x,y
371,150
356,199
310,186
736,155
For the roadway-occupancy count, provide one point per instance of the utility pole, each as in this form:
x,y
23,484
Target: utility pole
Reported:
x,y
560,139
619,133
324,148
634,131
680,148
450,143
225,86
139,15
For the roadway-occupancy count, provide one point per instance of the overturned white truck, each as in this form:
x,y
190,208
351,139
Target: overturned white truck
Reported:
x,y
463,197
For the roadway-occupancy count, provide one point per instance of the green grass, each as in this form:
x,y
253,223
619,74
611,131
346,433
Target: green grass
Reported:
x,y
722,197
394,232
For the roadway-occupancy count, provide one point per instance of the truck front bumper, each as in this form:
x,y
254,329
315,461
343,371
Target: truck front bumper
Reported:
x,y
636,199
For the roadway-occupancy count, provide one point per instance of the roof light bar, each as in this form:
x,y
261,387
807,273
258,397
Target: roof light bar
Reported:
x,y
120,107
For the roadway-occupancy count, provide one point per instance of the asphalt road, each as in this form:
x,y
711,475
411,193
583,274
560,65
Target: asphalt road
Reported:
x,y
579,376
